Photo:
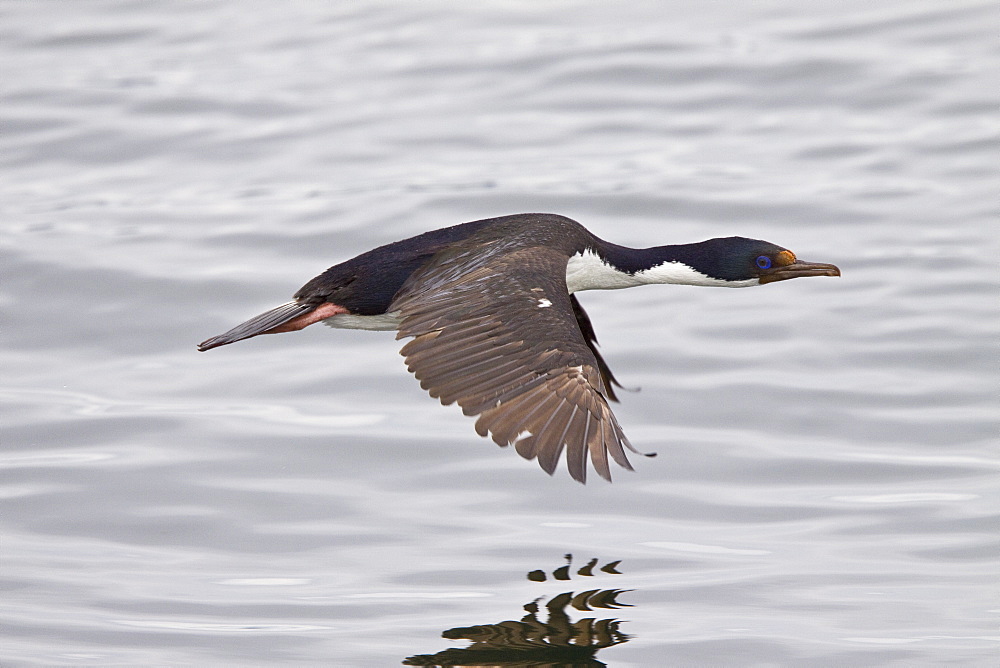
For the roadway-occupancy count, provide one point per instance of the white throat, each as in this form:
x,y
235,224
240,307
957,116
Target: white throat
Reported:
x,y
587,271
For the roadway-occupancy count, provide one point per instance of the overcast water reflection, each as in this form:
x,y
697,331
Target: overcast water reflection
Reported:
x,y
554,639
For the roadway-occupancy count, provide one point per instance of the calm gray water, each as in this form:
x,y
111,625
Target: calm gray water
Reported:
x,y
826,491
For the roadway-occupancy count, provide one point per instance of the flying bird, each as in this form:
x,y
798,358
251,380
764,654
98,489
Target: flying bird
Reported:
x,y
491,310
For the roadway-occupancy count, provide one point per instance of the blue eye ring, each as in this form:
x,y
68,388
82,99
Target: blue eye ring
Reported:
x,y
763,262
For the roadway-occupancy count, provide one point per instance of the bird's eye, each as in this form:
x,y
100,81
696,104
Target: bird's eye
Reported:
x,y
763,262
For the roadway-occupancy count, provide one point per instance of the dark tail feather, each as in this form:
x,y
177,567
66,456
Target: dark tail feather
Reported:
x,y
261,324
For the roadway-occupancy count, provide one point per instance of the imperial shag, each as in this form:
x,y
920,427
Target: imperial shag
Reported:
x,y
495,324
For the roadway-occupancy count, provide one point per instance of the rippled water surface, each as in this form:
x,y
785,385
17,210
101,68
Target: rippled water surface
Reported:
x,y
826,487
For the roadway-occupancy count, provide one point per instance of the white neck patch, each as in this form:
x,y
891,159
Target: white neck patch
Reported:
x,y
587,271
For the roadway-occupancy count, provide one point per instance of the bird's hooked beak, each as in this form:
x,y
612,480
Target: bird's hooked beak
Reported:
x,y
796,269
288,317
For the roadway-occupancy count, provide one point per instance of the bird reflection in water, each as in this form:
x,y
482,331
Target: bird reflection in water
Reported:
x,y
558,642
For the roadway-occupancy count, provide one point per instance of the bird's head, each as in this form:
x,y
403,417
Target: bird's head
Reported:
x,y
737,259
781,264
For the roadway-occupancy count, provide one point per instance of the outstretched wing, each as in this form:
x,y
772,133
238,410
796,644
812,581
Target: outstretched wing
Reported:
x,y
495,330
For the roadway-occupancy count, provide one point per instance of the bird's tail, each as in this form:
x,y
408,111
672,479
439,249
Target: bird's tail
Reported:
x,y
261,324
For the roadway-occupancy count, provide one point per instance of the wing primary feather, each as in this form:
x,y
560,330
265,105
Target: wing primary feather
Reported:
x,y
550,449
617,453
476,405
511,421
484,396
478,390
539,440
599,451
576,451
